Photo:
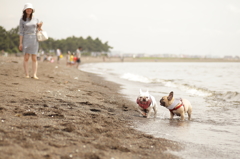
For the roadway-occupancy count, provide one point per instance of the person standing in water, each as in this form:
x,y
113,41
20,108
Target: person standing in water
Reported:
x,y
28,42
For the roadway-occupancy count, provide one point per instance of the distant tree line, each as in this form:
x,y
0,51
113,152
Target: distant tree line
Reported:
x,y
9,42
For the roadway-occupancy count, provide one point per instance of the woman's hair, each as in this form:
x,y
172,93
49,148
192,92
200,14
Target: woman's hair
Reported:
x,y
24,17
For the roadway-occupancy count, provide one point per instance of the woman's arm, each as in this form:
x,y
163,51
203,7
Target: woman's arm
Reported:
x,y
20,42
39,26
20,32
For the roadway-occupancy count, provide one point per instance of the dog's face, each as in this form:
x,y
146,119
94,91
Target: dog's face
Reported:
x,y
167,100
144,96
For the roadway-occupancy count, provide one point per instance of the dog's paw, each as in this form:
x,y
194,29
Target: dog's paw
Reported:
x,y
144,115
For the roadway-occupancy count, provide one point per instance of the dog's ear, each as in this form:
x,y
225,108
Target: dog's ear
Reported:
x,y
140,91
170,96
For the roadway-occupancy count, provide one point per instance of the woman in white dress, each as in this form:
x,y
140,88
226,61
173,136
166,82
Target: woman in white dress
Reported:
x,y
28,42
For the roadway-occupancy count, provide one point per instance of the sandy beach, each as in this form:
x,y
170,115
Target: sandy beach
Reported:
x,y
67,114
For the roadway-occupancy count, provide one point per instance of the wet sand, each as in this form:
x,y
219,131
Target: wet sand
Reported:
x,y
67,114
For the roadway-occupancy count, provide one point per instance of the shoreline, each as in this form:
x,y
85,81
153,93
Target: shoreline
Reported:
x,y
152,59
68,113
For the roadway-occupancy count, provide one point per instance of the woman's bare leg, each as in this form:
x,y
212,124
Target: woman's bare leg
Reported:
x,y
34,65
25,64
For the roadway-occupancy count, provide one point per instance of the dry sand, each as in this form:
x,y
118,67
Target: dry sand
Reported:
x,y
69,114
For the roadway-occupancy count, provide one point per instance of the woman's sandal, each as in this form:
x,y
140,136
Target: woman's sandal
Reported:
x,y
27,77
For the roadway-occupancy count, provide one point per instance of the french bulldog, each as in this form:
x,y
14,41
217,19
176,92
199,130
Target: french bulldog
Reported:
x,y
177,106
146,104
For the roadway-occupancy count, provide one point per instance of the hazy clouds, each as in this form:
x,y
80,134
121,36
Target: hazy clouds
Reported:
x,y
140,26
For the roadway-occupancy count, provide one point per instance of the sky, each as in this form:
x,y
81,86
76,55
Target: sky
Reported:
x,y
193,27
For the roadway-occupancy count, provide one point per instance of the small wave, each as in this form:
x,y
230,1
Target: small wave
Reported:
x,y
133,77
91,69
228,96
193,90
170,84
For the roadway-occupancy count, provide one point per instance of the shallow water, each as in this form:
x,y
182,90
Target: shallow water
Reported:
x,y
212,88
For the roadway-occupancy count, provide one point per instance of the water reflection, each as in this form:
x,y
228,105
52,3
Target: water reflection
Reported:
x,y
178,123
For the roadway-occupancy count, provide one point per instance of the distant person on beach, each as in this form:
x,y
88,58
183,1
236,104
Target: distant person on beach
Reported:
x,y
50,59
45,57
70,59
28,42
4,53
58,53
72,62
78,55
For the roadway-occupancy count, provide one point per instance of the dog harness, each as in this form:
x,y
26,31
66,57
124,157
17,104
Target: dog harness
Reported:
x,y
175,102
144,105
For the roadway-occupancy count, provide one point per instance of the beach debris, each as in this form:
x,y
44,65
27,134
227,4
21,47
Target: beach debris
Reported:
x,y
56,66
29,113
110,110
124,107
95,110
1,109
69,128
50,76
86,103
76,78
17,115
45,105
56,115
46,156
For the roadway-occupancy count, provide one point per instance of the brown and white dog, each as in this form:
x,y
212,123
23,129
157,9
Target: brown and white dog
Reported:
x,y
146,104
177,106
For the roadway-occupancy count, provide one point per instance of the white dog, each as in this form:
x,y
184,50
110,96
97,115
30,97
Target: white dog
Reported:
x,y
146,104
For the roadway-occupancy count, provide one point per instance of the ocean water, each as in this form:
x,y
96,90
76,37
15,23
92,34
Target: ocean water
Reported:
x,y
212,88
